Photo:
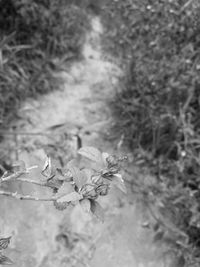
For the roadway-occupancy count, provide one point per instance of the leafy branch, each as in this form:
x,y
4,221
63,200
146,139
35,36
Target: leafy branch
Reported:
x,y
73,185
24,197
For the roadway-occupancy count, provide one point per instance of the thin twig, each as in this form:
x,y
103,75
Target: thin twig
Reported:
x,y
13,176
16,175
25,197
24,180
23,133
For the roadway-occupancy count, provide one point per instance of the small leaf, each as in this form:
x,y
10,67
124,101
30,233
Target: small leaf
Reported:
x,y
85,204
71,197
91,153
63,175
5,260
119,182
97,210
104,157
53,182
79,178
4,242
47,169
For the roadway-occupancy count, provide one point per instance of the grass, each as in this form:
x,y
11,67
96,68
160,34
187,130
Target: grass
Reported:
x,y
157,105
36,36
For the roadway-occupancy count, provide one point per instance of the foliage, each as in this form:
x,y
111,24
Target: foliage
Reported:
x,y
75,183
37,37
158,107
81,182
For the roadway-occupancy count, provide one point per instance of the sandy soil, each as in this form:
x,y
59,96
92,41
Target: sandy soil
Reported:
x,y
45,237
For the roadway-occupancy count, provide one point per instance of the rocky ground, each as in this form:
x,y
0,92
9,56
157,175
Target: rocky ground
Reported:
x,y
43,236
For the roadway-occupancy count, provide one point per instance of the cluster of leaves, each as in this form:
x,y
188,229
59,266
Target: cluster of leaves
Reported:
x,y
75,183
36,38
87,184
159,103
4,242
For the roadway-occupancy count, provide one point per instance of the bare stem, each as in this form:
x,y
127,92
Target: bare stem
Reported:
x,y
25,197
13,176
22,133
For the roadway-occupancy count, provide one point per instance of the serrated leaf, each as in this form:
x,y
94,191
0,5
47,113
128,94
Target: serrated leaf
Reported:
x,y
118,181
47,169
5,260
91,153
97,210
4,242
71,197
85,205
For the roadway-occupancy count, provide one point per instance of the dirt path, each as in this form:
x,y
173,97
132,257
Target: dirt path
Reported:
x,y
45,237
